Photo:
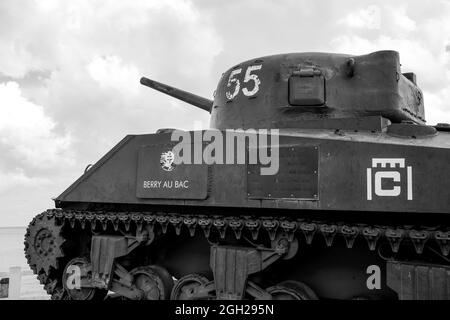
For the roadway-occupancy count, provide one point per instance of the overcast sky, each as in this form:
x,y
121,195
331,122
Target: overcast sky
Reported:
x,y
69,70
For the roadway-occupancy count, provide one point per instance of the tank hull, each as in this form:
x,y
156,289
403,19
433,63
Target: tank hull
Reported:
x,y
338,167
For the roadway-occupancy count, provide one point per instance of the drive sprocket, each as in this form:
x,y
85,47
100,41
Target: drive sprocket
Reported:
x,y
44,250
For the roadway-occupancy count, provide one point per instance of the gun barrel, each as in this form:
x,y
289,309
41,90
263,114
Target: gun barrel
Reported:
x,y
185,96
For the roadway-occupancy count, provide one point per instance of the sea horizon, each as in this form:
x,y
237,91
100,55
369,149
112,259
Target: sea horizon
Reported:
x,y
12,248
12,227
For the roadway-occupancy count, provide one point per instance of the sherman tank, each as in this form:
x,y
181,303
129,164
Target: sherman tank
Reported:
x,y
334,188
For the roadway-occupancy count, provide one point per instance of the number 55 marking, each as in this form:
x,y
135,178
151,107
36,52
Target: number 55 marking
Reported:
x,y
249,77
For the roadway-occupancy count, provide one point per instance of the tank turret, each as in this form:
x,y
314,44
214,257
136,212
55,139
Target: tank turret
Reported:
x,y
311,90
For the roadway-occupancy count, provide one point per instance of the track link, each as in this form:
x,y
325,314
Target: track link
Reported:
x,y
418,236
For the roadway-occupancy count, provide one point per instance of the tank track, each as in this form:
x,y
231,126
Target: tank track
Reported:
x,y
419,237
46,270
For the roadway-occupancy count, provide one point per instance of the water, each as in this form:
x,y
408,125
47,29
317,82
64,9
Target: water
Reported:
x,y
11,248
12,255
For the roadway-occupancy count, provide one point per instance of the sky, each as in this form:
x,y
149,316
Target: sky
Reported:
x,y
70,70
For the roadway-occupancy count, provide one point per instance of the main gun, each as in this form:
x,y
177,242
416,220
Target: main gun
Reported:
x,y
195,100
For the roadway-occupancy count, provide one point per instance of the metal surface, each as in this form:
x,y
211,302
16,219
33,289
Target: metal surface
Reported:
x,y
181,182
343,184
190,287
312,232
298,177
375,86
104,249
154,281
292,290
232,265
43,269
83,293
43,245
415,281
200,102
268,92
307,90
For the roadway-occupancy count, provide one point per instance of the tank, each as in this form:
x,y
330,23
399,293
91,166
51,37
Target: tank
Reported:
x,y
318,179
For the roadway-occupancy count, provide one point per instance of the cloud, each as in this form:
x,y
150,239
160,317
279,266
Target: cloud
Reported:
x,y
26,134
110,72
400,19
18,179
383,17
33,157
69,91
436,106
369,18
